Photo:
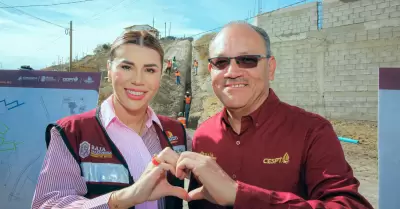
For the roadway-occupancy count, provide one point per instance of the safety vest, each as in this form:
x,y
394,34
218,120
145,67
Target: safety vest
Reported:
x,y
102,164
177,74
182,120
187,99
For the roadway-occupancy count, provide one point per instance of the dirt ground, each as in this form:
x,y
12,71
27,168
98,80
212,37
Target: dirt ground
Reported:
x,y
362,157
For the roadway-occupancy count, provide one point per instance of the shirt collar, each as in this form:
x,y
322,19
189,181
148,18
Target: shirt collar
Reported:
x,y
108,114
263,113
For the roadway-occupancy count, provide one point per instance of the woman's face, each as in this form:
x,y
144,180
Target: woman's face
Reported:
x,y
135,73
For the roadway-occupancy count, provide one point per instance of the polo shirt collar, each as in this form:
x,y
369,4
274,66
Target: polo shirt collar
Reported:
x,y
263,113
108,114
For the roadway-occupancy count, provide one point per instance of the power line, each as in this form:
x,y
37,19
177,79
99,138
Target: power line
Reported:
x,y
47,5
37,18
299,2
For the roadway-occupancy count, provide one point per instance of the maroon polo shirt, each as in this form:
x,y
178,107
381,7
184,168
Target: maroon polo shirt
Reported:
x,y
284,157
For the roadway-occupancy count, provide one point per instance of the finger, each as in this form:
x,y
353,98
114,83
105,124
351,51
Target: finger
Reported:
x,y
178,192
196,194
169,156
162,167
185,164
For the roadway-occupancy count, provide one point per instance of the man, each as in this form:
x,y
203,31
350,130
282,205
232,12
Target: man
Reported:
x,y
178,76
260,152
195,66
188,100
169,66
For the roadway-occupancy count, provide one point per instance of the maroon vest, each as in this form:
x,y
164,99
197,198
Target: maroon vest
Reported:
x,y
102,164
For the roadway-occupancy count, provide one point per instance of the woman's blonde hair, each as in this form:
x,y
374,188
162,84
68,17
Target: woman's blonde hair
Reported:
x,y
141,38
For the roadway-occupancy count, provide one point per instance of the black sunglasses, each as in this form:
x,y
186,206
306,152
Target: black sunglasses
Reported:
x,y
243,61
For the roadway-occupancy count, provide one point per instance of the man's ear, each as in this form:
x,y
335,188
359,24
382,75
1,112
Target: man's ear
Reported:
x,y
272,68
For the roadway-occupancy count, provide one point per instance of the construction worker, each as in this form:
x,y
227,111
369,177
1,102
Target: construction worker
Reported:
x,y
195,66
181,119
174,64
178,76
188,100
169,66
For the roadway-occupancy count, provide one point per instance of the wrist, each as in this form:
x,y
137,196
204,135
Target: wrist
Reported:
x,y
233,196
123,198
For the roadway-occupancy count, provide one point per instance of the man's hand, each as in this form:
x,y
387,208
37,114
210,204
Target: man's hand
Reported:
x,y
217,187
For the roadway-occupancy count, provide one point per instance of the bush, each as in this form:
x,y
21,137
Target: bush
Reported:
x,y
102,48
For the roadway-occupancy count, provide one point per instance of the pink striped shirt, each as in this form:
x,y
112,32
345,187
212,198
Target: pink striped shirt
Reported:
x,y
60,184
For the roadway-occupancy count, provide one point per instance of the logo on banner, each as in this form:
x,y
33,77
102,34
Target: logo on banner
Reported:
x,y
48,79
89,80
84,149
27,78
171,138
71,80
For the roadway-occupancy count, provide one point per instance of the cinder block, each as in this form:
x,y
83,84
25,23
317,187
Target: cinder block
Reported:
x,y
365,14
366,2
356,4
383,5
359,20
361,38
394,3
370,18
383,16
371,7
358,10
377,12
361,88
394,14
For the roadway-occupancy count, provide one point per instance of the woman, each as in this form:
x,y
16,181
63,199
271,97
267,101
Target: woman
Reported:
x,y
102,158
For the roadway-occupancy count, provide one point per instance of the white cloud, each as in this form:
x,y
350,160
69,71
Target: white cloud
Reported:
x,y
26,41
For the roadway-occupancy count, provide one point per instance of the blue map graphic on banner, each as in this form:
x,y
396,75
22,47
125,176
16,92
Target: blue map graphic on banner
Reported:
x,y
29,101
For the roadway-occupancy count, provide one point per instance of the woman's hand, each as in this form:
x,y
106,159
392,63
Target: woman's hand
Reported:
x,y
152,184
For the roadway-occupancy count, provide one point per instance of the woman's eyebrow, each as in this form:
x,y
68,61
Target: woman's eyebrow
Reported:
x,y
150,65
128,62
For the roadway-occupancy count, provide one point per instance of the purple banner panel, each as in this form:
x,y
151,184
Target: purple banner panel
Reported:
x,y
50,79
389,78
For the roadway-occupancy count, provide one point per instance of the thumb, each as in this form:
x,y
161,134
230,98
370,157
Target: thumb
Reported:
x,y
178,192
196,194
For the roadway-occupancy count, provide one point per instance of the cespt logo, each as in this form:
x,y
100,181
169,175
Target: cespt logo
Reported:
x,y
173,139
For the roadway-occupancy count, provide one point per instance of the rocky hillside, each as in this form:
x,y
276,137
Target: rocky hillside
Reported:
x,y
204,103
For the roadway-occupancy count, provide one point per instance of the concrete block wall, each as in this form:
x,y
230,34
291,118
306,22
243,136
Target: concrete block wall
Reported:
x,y
338,12
290,20
334,71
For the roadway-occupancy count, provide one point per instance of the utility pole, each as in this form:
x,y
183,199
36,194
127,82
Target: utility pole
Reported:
x,y
169,31
70,46
165,24
153,22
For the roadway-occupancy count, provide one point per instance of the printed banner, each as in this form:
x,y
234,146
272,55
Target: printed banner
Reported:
x,y
29,101
389,137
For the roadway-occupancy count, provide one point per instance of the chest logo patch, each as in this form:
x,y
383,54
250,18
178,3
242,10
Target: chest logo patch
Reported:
x,y
171,138
279,160
99,152
84,149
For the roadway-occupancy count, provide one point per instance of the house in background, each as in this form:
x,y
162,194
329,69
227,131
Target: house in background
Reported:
x,y
146,27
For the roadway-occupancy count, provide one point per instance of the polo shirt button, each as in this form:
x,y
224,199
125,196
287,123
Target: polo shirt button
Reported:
x,y
237,142
256,124
234,176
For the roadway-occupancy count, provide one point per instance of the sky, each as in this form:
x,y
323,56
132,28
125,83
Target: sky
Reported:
x,y
25,40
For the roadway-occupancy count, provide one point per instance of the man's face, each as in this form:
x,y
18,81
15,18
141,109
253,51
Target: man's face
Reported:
x,y
238,87
135,73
